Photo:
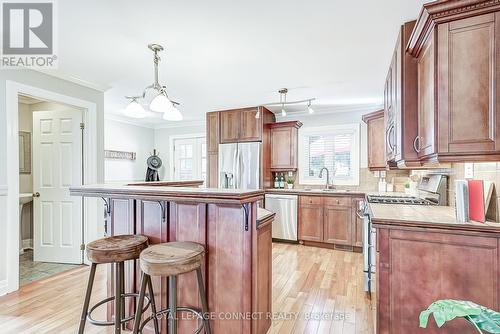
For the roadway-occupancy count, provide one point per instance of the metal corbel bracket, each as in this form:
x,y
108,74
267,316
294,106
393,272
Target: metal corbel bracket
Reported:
x,y
163,216
247,215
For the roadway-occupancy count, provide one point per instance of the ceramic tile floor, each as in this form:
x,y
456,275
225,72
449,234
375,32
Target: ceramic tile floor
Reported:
x,y
30,271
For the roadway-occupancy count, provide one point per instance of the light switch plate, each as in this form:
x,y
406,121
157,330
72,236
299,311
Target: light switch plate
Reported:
x,y
469,170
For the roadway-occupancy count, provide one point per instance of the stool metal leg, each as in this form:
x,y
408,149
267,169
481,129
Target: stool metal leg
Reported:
x,y
153,305
122,292
172,304
140,302
86,303
118,303
204,304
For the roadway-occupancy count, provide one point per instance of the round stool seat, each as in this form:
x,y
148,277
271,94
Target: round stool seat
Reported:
x,y
116,249
171,258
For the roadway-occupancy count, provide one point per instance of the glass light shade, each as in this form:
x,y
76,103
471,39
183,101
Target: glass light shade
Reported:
x,y
160,103
283,112
135,110
257,114
310,110
173,114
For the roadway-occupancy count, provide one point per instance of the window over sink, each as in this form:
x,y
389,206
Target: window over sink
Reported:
x,y
333,147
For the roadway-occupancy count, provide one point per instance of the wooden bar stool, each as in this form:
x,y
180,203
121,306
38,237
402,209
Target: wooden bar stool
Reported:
x,y
170,260
113,250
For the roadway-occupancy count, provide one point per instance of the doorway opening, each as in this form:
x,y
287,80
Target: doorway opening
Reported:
x,y
50,160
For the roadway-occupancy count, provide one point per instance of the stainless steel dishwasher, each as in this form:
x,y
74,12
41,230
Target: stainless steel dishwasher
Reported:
x,y
285,222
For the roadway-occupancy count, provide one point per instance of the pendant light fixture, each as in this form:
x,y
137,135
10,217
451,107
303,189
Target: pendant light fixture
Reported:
x,y
283,103
283,100
161,103
309,109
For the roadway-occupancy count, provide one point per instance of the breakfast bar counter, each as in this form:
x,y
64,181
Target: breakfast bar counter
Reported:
x,y
238,250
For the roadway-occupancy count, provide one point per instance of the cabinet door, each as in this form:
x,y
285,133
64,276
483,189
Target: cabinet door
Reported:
x,y
212,132
213,170
376,153
356,224
250,127
311,223
229,255
469,106
426,101
229,126
429,261
284,148
337,225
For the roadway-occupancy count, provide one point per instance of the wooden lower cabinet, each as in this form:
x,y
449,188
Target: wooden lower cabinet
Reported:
x,y
310,223
330,220
417,266
237,261
337,225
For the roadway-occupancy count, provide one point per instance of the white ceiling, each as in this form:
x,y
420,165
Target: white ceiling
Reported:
x,y
224,54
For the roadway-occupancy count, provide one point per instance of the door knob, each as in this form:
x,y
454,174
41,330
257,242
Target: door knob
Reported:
x,y
37,194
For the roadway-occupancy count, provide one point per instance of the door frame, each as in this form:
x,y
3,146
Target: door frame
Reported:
x,y
171,140
90,155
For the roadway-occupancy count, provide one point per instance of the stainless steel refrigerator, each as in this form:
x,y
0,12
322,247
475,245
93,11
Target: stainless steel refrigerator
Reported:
x,y
239,165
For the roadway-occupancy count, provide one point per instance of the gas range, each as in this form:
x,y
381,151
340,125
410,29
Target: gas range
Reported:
x,y
388,199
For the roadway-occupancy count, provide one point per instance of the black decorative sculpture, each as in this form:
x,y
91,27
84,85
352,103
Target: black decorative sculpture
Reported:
x,y
154,163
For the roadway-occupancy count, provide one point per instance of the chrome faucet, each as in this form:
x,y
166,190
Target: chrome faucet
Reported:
x,y
327,185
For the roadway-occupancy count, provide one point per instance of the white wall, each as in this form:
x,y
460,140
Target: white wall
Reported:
x,y
162,143
120,136
49,83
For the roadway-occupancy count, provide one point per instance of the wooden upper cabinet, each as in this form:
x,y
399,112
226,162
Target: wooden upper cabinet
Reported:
x,y
376,137
230,126
250,127
284,145
242,125
213,131
468,63
456,45
213,137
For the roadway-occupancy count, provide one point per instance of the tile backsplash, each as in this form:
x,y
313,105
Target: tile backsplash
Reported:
x,y
369,182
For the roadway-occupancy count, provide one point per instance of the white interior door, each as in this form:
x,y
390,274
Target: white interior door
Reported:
x,y
57,165
190,159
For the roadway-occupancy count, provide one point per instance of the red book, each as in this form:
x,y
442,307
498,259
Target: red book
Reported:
x,y
476,200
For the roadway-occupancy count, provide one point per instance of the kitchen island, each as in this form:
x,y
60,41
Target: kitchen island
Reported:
x,y
237,242
423,255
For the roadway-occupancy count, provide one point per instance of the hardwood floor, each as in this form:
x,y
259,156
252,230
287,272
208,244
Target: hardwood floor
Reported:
x,y
325,284
323,288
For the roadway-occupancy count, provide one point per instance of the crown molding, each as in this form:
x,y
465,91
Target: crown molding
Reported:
x,y
438,12
75,80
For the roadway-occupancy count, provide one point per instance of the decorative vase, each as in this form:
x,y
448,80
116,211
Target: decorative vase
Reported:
x,y
289,185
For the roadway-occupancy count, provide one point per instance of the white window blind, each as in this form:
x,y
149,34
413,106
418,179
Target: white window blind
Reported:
x,y
335,148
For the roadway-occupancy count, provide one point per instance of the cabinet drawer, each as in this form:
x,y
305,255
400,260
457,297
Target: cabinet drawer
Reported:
x,y
342,201
311,200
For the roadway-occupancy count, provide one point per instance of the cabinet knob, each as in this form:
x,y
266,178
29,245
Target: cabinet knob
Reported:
x,y
37,194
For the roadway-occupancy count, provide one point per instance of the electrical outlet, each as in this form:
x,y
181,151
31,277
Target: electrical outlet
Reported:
x,y
469,170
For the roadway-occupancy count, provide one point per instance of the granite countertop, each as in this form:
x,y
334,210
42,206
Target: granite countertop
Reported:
x,y
161,192
424,216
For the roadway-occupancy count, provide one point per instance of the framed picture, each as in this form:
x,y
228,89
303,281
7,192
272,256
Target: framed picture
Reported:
x,y
24,152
